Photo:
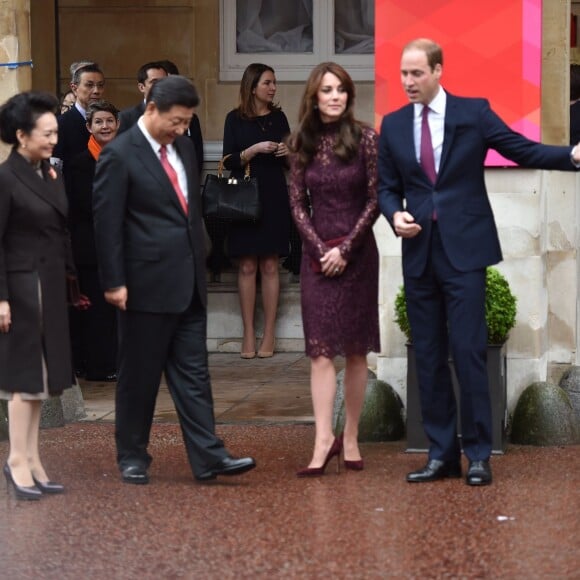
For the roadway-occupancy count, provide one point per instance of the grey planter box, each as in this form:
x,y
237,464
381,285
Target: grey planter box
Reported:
x,y
496,369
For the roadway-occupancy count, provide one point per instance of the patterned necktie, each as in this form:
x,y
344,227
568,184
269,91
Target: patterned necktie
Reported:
x,y
426,152
172,174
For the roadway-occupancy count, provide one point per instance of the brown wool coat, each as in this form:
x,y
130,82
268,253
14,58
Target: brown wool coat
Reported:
x,y
34,247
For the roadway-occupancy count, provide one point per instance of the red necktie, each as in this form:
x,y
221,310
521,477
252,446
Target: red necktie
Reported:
x,y
426,152
172,174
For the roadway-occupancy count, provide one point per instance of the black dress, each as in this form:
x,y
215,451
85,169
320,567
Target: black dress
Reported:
x,y
272,233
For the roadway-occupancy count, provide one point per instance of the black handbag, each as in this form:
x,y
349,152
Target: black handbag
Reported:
x,y
231,198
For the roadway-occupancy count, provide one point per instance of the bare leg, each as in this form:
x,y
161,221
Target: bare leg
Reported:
x,y
247,271
270,295
355,382
20,417
34,462
323,389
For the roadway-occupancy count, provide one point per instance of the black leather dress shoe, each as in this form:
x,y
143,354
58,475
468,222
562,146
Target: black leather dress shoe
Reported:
x,y
228,466
102,378
135,474
435,469
479,473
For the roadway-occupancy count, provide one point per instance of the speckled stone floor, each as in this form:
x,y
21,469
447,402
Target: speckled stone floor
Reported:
x,y
269,524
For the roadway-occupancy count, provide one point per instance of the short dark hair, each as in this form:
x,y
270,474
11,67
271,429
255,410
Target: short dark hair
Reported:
x,y
101,105
169,66
143,69
92,67
21,112
173,90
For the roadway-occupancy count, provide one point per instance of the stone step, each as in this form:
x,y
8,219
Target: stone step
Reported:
x,y
224,328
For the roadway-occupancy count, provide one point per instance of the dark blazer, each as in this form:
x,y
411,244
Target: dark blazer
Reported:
x,y
459,195
34,259
144,240
73,136
130,116
79,190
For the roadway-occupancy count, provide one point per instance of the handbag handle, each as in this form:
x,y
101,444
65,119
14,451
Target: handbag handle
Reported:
x,y
220,169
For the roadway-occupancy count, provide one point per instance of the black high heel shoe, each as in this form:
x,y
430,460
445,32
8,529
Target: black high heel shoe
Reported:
x,y
334,451
48,486
21,492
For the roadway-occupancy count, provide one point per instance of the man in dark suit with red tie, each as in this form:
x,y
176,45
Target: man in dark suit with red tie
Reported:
x,y
151,252
432,192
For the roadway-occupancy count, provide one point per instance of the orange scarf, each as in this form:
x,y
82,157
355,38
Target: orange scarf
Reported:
x,y
94,148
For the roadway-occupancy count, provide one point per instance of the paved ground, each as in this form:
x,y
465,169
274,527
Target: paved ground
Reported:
x,y
268,523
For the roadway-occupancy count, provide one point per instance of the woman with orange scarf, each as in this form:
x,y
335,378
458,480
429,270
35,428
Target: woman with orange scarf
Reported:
x,y
98,326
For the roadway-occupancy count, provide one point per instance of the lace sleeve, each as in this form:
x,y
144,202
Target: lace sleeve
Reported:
x,y
300,208
370,213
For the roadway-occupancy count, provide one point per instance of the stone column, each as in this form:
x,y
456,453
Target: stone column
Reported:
x,y
14,47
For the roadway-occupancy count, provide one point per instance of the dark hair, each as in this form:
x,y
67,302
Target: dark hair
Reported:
x,y
170,67
21,112
574,82
304,140
143,70
101,105
433,51
173,90
250,80
92,67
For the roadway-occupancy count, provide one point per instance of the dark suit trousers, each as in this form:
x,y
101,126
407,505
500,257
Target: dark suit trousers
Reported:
x,y
447,307
151,344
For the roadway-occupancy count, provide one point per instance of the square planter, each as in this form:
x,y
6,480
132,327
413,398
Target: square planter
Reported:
x,y
497,373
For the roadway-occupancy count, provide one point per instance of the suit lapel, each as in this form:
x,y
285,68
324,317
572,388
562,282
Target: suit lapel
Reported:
x,y
152,164
48,189
449,131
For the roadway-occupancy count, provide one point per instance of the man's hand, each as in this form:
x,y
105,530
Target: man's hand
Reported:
x,y
117,297
404,224
5,318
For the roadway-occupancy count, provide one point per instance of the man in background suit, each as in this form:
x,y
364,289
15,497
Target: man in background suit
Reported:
x,y
432,192
88,86
151,253
147,75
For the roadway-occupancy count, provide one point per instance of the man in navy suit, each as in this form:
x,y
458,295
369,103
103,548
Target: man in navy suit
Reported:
x,y
151,255
432,192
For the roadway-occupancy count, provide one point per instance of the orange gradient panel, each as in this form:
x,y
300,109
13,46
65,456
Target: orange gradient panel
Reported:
x,y
491,49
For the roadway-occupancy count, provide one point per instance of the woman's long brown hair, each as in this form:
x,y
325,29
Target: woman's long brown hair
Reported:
x,y
250,80
304,139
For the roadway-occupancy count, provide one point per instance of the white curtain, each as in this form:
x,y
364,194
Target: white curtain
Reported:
x,y
354,26
274,26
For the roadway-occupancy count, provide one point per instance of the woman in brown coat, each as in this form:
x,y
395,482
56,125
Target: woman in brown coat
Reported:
x,y
35,359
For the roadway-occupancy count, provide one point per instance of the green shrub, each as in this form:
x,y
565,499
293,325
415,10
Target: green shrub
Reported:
x,y
500,308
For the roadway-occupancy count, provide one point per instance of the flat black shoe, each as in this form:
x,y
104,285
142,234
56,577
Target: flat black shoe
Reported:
x,y
110,378
48,486
228,466
479,473
434,470
135,474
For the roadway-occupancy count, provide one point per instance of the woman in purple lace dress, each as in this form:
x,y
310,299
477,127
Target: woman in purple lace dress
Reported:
x,y
333,197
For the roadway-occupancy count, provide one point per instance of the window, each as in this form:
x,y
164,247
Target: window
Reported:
x,y
292,36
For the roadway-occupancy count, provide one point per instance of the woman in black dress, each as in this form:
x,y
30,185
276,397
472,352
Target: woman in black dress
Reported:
x,y
253,133
35,260
333,195
96,327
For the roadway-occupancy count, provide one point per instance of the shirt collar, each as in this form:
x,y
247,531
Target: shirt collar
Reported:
x,y
154,144
437,105
80,109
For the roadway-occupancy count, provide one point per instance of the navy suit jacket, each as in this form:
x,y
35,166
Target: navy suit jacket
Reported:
x,y
459,196
73,136
144,240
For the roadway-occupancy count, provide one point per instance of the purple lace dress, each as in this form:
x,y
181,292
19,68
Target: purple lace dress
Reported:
x,y
339,314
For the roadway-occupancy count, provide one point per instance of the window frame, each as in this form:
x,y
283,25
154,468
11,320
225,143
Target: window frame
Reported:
x,y
361,67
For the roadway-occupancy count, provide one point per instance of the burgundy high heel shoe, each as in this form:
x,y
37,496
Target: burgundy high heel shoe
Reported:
x,y
334,451
356,465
